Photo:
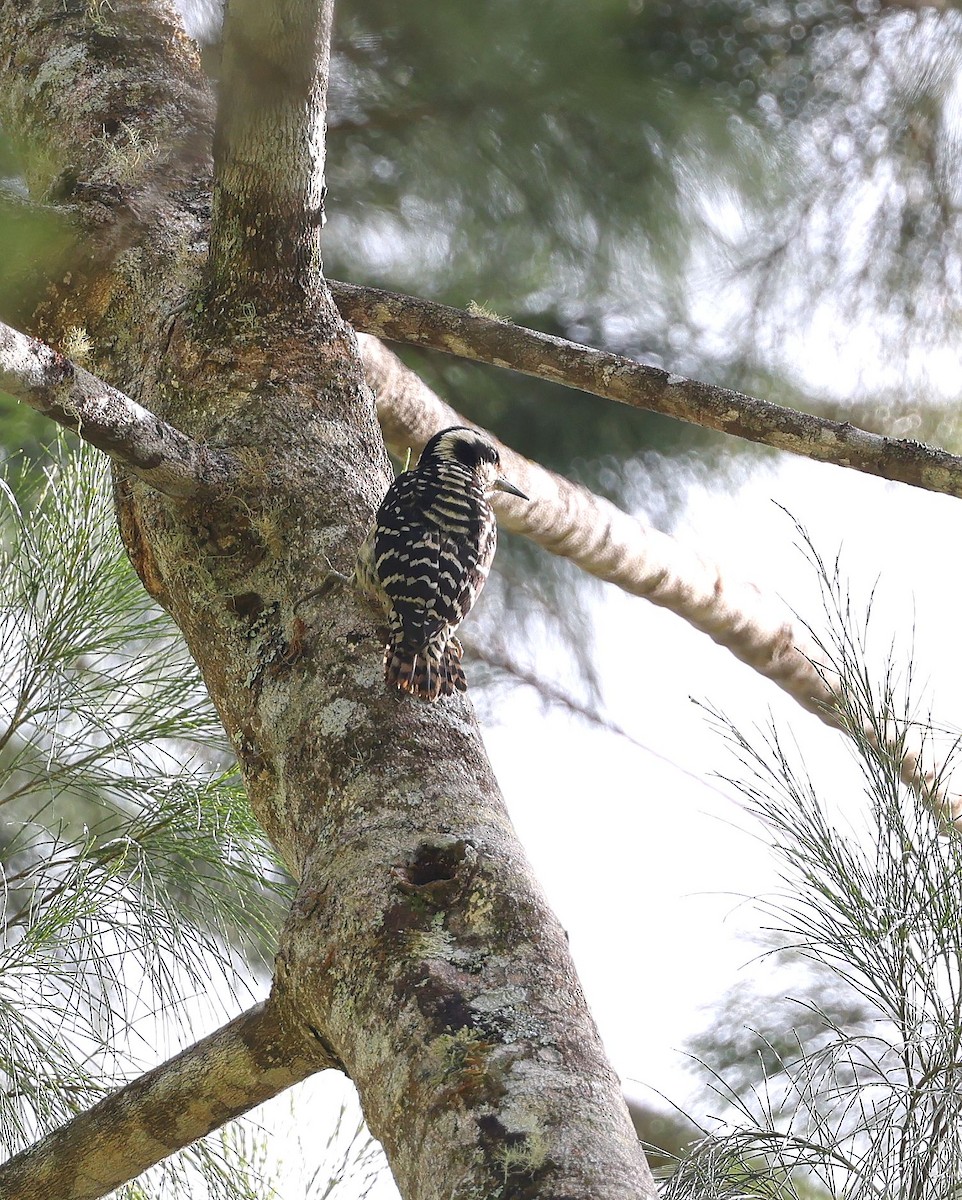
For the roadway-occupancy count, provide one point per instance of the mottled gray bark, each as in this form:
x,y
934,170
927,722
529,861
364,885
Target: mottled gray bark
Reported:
x,y
469,335
420,955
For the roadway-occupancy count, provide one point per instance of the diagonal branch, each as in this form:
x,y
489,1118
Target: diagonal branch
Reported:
x,y
424,323
567,519
242,1064
161,455
570,521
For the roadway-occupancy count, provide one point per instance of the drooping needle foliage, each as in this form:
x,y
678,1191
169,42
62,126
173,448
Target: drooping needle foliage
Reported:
x,y
853,1087
135,880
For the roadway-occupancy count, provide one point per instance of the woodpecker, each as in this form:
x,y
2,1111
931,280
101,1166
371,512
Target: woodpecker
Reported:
x,y
427,555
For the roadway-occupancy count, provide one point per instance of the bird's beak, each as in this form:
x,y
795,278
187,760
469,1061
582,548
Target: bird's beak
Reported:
x,y
502,485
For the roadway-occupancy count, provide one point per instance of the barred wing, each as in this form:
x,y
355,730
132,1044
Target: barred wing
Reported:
x,y
431,573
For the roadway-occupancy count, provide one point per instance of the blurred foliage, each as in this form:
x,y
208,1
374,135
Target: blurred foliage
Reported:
x,y
706,185
22,431
35,243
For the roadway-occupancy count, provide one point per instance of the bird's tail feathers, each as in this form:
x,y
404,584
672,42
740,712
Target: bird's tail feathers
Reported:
x,y
428,672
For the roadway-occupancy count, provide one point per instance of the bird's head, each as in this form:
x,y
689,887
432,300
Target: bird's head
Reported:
x,y
472,450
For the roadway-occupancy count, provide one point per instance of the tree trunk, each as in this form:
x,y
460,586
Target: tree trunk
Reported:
x,y
419,955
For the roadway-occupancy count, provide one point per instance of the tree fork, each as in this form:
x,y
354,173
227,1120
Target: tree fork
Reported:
x,y
403,950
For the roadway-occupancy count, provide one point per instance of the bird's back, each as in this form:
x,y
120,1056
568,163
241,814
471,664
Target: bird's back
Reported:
x,y
427,558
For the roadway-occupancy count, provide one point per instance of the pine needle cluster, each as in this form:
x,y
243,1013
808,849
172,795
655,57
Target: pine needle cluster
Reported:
x,y
852,1089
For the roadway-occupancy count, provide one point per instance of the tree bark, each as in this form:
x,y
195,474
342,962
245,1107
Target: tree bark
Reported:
x,y
420,954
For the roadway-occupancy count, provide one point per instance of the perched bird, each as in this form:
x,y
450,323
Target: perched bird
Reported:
x,y
427,555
